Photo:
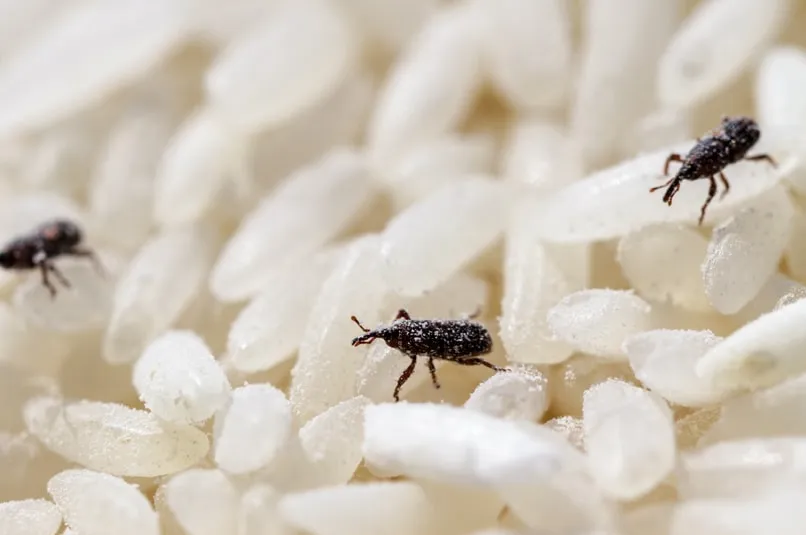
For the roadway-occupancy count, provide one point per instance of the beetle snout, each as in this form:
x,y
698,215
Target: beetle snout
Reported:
x,y
363,339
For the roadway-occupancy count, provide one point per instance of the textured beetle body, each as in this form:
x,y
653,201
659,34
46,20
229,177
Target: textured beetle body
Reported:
x,y
441,339
37,250
709,157
458,341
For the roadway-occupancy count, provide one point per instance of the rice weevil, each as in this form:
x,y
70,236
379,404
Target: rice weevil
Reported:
x,y
37,250
709,157
460,341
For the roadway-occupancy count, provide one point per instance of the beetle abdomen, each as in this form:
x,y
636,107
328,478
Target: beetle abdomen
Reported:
x,y
445,339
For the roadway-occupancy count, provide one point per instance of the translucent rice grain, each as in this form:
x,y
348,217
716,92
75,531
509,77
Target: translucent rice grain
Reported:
x,y
204,155
113,438
388,508
389,25
777,288
662,262
566,504
179,380
309,209
461,296
325,373
656,130
744,252
220,26
305,51
780,101
94,503
797,293
598,321
22,19
569,428
292,470
535,279
715,44
62,157
651,518
427,167
616,85
431,86
339,120
508,28
629,437
795,252
778,510
332,441
691,429
541,155
459,446
204,502
777,411
616,201
270,328
252,429
740,468
29,517
573,377
168,523
258,515
160,282
461,510
665,361
761,353
121,193
85,306
520,395
431,240
90,52
26,465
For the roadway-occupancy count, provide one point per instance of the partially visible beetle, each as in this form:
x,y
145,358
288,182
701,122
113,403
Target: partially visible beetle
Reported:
x,y
711,155
459,341
37,250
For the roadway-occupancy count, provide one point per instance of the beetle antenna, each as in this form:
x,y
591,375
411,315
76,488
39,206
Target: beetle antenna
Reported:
x,y
359,324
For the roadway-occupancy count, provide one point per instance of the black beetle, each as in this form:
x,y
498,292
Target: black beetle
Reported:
x,y
459,341
37,250
711,155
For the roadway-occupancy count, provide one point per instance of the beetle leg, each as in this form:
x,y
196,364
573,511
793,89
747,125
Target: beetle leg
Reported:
x,y
673,157
433,371
402,314
476,361
43,268
404,377
86,253
765,157
711,193
725,182
58,274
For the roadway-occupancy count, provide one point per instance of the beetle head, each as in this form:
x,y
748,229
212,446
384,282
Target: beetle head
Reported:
x,y
7,259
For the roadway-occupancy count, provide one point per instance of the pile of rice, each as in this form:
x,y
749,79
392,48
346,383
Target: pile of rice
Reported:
x,y
254,172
